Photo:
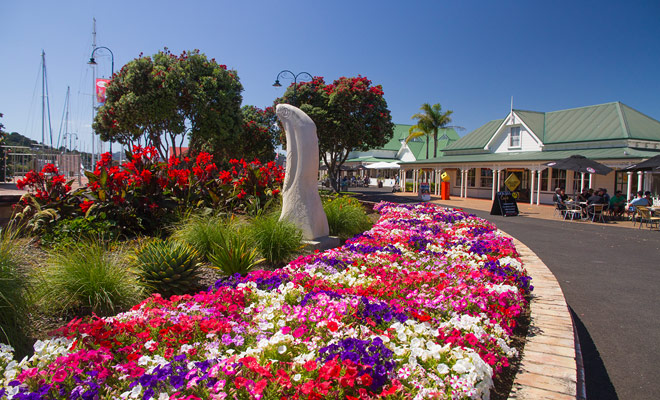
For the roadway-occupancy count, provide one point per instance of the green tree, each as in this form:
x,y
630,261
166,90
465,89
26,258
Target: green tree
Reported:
x,y
430,120
260,134
159,100
350,114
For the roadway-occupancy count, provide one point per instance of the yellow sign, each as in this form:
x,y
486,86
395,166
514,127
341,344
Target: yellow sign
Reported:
x,y
512,182
515,195
444,177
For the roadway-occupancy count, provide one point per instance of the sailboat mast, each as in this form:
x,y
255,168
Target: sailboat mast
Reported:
x,y
43,96
66,120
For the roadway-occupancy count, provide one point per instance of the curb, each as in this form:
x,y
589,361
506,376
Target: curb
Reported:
x,y
548,368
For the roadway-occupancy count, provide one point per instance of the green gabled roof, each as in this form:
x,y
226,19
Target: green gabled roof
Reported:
x,y
534,120
478,138
612,153
400,133
640,126
584,124
609,121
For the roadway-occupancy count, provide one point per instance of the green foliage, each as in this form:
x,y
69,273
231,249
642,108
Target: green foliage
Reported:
x,y
233,254
431,120
277,241
164,97
13,304
83,279
259,136
168,267
346,217
350,115
201,232
66,232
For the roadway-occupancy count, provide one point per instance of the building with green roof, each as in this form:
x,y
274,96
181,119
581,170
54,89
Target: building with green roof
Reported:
x,y
521,143
397,151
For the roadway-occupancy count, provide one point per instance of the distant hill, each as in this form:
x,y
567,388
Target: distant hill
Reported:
x,y
16,139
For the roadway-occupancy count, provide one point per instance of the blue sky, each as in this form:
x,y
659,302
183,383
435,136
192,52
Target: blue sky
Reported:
x,y
469,56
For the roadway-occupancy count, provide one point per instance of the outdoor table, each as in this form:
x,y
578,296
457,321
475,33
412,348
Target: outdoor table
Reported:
x,y
573,209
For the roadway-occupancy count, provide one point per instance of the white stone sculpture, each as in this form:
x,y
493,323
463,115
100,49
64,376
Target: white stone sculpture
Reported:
x,y
301,201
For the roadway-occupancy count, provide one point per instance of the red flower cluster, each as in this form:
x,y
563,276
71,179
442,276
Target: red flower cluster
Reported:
x,y
47,186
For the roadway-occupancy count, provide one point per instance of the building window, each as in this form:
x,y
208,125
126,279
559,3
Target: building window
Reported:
x,y
558,179
471,177
544,179
577,181
459,177
514,138
486,177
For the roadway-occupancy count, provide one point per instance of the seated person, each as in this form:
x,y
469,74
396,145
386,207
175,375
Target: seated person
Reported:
x,y
605,195
584,195
617,203
560,198
640,200
647,196
595,198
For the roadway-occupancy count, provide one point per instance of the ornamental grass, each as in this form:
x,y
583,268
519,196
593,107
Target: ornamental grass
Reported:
x,y
85,278
277,241
346,216
422,305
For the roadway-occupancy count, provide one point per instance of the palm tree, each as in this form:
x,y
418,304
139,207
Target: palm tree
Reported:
x,y
431,119
418,130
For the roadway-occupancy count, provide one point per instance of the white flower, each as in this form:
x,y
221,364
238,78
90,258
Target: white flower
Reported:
x,y
281,349
443,369
463,366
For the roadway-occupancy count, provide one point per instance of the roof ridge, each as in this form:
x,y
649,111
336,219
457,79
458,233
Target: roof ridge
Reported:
x,y
623,120
582,107
637,111
538,112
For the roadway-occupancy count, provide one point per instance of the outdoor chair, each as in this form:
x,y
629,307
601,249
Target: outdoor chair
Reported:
x,y
645,216
559,212
573,212
596,211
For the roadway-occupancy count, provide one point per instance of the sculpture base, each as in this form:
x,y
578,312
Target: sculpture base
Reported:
x,y
322,243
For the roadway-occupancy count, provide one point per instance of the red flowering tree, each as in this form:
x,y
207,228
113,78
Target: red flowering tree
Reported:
x,y
163,98
350,114
260,134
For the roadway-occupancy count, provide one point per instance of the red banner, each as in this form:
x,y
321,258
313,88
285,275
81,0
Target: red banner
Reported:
x,y
101,83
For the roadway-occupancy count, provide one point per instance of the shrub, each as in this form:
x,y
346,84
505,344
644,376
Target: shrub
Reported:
x,y
168,267
275,240
13,305
141,194
65,232
346,217
233,254
86,278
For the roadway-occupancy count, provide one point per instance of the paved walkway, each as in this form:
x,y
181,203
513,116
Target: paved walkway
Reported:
x,y
609,274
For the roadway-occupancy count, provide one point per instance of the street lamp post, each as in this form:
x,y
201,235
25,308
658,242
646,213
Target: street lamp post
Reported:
x,y
92,61
295,81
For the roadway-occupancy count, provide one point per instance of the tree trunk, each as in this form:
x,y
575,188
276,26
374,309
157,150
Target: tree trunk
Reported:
x,y
435,143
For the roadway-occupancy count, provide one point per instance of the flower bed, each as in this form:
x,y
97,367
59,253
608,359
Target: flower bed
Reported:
x,y
420,306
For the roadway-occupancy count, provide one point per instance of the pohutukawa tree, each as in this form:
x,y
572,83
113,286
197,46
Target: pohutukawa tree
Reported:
x,y
159,100
350,114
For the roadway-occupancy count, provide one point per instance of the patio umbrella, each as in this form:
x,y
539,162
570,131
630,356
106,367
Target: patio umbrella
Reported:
x,y
651,163
580,164
384,165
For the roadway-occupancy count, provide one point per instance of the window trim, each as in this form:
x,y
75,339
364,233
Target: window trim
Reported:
x,y
511,145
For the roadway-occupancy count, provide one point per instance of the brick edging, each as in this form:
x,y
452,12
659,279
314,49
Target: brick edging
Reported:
x,y
547,369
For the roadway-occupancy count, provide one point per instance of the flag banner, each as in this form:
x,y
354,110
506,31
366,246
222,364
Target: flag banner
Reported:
x,y
101,83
